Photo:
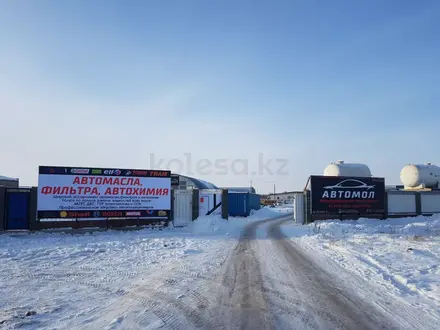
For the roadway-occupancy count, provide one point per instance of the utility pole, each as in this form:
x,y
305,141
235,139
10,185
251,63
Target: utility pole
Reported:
x,y
274,191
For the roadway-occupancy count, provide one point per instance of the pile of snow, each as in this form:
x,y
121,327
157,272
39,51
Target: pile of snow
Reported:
x,y
401,255
417,226
266,212
284,208
214,224
211,224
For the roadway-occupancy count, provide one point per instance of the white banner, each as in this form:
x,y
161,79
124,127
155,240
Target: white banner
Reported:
x,y
64,192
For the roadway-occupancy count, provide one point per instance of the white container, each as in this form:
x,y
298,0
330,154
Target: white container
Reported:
x,y
342,169
298,209
420,176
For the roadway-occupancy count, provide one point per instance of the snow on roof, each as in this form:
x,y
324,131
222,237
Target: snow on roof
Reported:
x,y
241,189
7,179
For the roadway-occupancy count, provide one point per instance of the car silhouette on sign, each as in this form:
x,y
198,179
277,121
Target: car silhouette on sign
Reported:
x,y
350,184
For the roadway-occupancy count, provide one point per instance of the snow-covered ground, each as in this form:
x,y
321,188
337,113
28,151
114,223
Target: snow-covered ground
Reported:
x,y
116,278
284,208
76,280
398,256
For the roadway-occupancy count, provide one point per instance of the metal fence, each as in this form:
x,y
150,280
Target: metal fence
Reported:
x,y
18,211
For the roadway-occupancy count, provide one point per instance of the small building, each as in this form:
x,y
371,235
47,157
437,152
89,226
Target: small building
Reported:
x,y
8,182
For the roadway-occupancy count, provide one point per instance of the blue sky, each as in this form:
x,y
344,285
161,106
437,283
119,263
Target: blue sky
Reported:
x,y
108,83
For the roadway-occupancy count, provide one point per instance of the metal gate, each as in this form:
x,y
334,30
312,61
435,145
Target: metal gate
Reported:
x,y
17,209
182,208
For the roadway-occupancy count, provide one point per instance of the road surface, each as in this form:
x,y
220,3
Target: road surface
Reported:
x,y
264,281
269,283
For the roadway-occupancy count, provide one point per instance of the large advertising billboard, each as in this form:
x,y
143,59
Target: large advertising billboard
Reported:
x,y
347,195
77,192
175,180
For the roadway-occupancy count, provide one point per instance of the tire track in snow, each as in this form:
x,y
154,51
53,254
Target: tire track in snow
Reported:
x,y
395,281
249,298
341,309
375,309
405,315
157,302
242,292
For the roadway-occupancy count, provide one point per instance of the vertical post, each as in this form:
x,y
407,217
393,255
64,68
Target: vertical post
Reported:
x,y
195,203
274,198
33,199
418,203
307,207
225,204
2,207
385,214
171,216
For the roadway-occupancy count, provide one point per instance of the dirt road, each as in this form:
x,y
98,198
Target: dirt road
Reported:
x,y
261,281
269,283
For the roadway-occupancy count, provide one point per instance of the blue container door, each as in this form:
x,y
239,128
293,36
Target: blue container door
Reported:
x,y
17,210
236,204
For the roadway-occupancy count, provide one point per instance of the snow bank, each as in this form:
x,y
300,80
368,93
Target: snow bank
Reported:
x,y
417,226
266,212
214,224
400,255
285,208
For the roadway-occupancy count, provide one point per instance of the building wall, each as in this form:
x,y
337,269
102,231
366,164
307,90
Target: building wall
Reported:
x,y
9,183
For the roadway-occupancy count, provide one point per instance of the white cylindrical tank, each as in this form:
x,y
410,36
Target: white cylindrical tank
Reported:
x,y
415,175
340,168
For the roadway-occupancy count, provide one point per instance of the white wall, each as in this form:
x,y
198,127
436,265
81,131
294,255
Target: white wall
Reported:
x,y
400,203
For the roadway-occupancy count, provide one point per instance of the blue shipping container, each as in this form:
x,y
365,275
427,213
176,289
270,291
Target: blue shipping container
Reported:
x,y
241,204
